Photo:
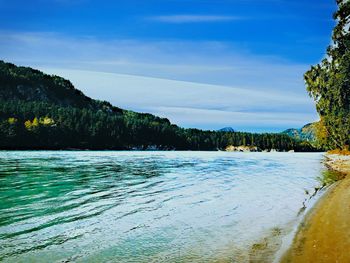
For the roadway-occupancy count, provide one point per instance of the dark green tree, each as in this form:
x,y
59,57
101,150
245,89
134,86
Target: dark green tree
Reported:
x,y
329,84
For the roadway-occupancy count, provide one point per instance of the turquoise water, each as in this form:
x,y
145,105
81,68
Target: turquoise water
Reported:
x,y
106,206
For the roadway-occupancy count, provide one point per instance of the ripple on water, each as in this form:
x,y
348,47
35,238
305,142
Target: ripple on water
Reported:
x,y
146,206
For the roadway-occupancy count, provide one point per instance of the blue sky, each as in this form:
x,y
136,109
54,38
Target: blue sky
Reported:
x,y
201,63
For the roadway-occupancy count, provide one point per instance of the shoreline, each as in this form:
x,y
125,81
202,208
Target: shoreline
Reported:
x,y
323,234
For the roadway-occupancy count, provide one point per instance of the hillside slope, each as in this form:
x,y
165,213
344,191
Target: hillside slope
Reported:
x,y
306,133
27,84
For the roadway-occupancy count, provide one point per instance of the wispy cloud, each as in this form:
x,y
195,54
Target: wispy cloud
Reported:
x,y
195,84
179,19
194,104
211,62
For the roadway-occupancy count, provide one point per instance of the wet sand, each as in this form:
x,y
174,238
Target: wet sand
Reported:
x,y
324,235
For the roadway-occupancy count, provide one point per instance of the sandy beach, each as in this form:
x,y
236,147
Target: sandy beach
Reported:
x,y
324,235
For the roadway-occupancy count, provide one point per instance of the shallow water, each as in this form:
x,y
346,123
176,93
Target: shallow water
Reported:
x,y
91,206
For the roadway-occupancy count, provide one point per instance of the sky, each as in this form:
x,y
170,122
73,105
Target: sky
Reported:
x,y
200,63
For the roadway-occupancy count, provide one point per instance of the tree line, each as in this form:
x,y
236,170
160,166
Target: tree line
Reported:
x,y
41,125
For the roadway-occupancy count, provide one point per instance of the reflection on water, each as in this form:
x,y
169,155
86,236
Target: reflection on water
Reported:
x,y
147,206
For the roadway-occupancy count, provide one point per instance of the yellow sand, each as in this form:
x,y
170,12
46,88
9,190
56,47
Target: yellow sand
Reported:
x,y
324,236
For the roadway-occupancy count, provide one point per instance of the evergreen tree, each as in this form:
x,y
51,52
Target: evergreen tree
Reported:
x,y
329,84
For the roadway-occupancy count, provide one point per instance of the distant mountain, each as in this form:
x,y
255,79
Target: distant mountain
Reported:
x,y
227,129
306,133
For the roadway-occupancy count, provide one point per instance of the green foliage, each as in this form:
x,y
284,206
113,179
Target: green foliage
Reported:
x,y
329,84
40,125
38,111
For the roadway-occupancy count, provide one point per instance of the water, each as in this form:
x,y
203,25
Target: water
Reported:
x,y
147,206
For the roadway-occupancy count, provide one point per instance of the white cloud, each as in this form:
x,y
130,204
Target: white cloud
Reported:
x,y
195,84
194,104
201,61
179,19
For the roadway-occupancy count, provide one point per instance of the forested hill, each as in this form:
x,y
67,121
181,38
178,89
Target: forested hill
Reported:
x,y
40,111
27,84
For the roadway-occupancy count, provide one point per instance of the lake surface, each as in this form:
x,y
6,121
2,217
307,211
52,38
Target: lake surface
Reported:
x,y
89,206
